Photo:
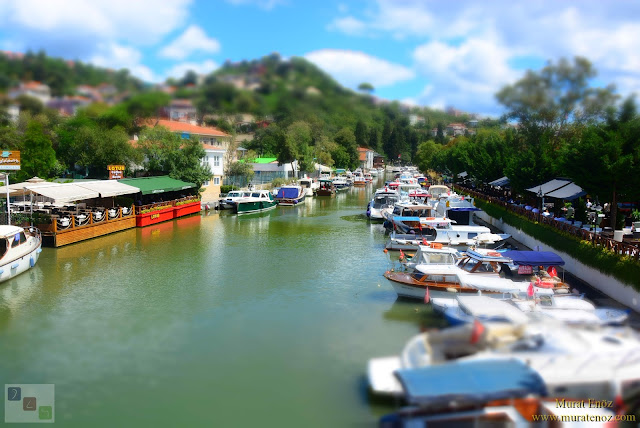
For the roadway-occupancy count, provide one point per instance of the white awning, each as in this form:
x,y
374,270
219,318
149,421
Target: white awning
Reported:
x,y
63,192
549,186
108,188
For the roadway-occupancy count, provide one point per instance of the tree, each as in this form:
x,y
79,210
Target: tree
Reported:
x,y
37,154
361,134
241,169
165,152
366,88
347,140
605,160
555,96
425,154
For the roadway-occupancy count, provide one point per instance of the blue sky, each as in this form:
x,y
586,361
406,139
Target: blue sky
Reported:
x,y
431,53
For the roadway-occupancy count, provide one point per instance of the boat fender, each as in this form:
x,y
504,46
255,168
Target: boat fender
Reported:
x,y
39,250
32,262
1,271
15,265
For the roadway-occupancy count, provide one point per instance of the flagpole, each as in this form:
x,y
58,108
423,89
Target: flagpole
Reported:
x,y
6,182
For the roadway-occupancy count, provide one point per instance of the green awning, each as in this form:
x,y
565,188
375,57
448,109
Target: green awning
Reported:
x,y
152,185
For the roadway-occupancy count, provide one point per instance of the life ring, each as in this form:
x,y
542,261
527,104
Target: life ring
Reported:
x,y
494,254
430,218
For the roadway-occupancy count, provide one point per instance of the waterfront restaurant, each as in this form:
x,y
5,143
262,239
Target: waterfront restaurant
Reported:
x,y
67,213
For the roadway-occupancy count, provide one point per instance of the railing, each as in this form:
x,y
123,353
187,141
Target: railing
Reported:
x,y
622,248
86,217
144,209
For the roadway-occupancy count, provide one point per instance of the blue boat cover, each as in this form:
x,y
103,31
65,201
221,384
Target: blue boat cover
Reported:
x,y
288,193
465,209
470,382
534,258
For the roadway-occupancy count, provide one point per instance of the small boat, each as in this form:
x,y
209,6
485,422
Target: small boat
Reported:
x,y
20,248
576,362
327,188
257,201
482,270
309,185
229,201
483,308
368,177
290,195
383,198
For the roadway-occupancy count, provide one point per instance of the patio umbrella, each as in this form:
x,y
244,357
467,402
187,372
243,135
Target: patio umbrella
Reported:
x,y
36,179
528,207
535,210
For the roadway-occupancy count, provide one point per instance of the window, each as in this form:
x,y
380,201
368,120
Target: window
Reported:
x,y
206,183
216,161
216,181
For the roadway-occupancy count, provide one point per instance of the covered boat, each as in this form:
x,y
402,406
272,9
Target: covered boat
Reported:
x,y
290,195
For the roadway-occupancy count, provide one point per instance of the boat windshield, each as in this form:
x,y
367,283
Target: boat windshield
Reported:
x,y
437,258
3,247
233,194
255,194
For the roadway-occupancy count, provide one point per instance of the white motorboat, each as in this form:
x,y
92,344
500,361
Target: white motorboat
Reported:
x,y
310,186
573,362
20,249
228,202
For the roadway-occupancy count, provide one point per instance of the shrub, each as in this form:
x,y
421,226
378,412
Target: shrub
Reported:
x,y
226,188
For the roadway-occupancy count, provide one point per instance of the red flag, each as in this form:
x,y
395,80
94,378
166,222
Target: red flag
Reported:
x,y
424,242
420,226
530,290
427,298
552,271
401,255
538,281
477,331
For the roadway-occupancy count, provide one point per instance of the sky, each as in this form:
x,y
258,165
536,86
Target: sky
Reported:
x,y
421,52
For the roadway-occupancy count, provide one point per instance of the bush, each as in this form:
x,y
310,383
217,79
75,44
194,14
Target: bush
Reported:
x,y
226,188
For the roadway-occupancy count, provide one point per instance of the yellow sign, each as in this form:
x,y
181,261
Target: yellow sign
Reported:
x,y
10,160
116,172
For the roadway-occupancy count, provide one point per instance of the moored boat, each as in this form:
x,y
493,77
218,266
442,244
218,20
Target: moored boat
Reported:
x,y
259,200
327,188
290,195
20,248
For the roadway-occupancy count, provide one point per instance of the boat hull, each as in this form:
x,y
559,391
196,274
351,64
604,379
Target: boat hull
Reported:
x,y
253,207
16,266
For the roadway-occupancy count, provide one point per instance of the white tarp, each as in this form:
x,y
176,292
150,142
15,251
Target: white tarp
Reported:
x,y
108,188
63,192
549,186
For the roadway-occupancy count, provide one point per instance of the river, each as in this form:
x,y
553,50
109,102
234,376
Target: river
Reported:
x,y
214,320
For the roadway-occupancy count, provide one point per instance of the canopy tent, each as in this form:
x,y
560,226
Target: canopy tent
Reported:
x,y
569,192
463,174
500,182
549,186
20,189
108,188
534,258
62,192
469,382
153,185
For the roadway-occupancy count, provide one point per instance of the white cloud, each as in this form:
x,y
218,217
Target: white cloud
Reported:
x,y
142,21
465,75
351,68
113,55
192,40
262,4
179,70
347,25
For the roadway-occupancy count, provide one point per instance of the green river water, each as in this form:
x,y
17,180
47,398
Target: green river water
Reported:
x,y
214,320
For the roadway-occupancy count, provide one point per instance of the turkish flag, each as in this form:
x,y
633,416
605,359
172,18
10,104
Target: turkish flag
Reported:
x,y
551,270
477,331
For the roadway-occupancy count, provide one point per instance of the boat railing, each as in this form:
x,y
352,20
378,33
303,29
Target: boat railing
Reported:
x,y
67,220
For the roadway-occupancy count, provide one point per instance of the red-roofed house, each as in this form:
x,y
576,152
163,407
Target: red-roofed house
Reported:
x,y
366,157
33,89
215,144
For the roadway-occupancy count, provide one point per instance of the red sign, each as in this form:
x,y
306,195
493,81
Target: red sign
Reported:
x,y
525,270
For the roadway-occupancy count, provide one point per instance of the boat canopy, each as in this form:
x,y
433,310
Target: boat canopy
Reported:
x,y
288,192
161,184
470,382
9,231
534,258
